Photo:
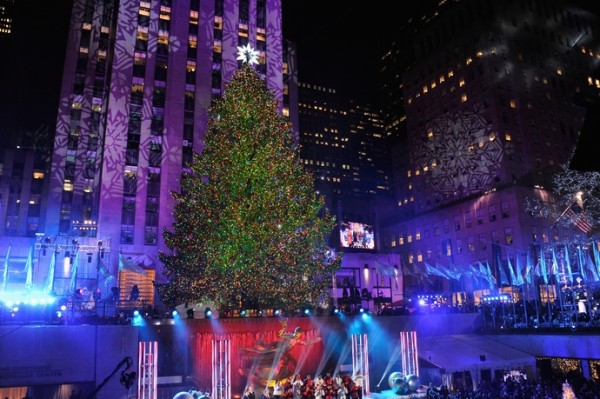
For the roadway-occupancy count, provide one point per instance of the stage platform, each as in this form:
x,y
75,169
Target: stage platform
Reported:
x,y
391,394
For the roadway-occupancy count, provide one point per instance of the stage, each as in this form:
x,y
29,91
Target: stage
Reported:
x,y
391,394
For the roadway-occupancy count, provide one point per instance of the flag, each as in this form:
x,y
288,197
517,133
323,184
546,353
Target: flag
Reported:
x,y
596,257
518,272
579,218
554,270
452,271
511,271
434,271
503,276
418,271
591,267
484,274
568,265
126,264
50,278
543,270
385,270
582,264
528,267
29,269
5,275
490,277
73,282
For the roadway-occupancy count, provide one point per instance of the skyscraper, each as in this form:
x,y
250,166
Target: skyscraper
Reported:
x,y
139,78
490,115
343,145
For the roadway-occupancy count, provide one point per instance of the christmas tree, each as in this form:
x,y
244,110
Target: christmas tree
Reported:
x,y
250,230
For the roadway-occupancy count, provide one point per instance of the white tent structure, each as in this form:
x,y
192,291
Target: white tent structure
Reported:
x,y
473,353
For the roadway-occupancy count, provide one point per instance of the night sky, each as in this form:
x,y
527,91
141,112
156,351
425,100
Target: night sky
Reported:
x,y
339,43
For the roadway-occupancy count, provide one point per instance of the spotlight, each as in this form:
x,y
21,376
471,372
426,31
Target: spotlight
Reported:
x,y
136,313
243,312
174,313
260,313
335,310
277,312
360,309
307,311
207,313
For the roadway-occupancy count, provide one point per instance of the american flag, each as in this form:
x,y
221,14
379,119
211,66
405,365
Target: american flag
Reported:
x,y
579,218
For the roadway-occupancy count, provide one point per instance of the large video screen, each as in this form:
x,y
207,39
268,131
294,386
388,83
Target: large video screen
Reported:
x,y
357,235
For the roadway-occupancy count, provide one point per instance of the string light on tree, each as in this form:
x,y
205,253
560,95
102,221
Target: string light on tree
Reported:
x,y
249,227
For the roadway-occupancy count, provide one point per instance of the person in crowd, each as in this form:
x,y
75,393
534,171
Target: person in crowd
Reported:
x,y
308,388
330,388
134,294
288,388
249,393
265,393
277,390
297,386
319,387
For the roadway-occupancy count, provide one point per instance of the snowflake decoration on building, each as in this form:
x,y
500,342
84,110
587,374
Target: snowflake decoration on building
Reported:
x,y
247,54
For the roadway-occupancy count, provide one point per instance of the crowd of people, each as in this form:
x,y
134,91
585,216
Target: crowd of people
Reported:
x,y
321,387
558,387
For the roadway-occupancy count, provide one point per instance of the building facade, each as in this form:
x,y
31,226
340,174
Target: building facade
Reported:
x,y
490,116
139,78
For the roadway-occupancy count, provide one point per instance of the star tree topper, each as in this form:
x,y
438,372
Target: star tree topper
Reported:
x,y
247,54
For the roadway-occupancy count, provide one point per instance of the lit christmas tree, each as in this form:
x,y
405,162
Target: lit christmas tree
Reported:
x,y
249,227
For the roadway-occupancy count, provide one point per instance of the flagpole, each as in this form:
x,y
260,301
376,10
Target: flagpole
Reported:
x,y
558,283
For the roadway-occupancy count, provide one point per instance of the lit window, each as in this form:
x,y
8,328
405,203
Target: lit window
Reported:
x,y
165,13
507,136
424,89
38,175
68,185
469,61
461,83
513,103
193,41
193,17
144,9
442,79
463,98
450,74
559,71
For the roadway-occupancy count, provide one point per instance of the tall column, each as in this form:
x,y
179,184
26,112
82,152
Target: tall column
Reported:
x,y
148,370
221,369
